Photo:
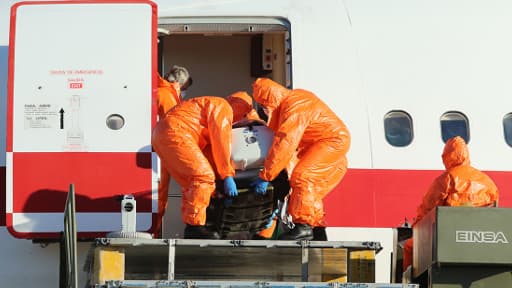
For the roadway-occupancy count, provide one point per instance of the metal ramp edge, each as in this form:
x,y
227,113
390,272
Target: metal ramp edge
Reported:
x,y
246,284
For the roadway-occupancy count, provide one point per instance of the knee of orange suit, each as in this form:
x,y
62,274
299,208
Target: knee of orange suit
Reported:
x,y
193,215
407,254
301,207
195,199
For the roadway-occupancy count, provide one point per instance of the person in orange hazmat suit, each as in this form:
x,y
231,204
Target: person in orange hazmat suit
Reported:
x,y
179,140
251,117
268,231
171,89
305,125
460,185
169,94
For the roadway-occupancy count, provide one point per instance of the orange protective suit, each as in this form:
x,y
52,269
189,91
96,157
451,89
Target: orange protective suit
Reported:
x,y
168,96
242,106
179,140
253,116
250,116
459,185
302,123
239,100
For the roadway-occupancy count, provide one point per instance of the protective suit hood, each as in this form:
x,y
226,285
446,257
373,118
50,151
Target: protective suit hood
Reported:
x,y
268,93
241,103
455,153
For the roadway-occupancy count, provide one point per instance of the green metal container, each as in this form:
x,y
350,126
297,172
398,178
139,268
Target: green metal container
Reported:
x,y
464,243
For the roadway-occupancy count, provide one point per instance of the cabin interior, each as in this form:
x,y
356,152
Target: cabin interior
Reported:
x,y
222,56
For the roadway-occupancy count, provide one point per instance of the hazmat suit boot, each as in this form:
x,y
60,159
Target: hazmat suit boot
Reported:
x,y
319,234
299,232
200,232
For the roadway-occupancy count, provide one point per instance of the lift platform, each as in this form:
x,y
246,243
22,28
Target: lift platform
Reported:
x,y
125,262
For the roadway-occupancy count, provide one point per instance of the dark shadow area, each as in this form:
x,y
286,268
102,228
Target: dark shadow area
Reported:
x,y
243,216
57,198
402,234
464,276
143,158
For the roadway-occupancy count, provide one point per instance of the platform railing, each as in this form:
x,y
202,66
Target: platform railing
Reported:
x,y
69,279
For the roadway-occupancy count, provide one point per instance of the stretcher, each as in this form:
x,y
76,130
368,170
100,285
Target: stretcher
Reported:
x,y
243,216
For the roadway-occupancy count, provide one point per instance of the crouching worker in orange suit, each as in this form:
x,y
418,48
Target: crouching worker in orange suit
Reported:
x,y
459,185
179,140
169,94
252,116
302,124
268,231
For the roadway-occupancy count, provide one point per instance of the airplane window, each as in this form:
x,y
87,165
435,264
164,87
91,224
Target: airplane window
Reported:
x,y
507,128
453,124
398,128
115,121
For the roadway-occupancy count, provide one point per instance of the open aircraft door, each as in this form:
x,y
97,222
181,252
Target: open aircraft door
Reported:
x,y
80,112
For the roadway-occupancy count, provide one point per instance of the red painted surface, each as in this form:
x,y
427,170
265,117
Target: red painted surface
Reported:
x,y
365,197
41,180
385,198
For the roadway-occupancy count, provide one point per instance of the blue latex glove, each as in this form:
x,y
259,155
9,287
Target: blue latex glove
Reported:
x,y
260,186
230,187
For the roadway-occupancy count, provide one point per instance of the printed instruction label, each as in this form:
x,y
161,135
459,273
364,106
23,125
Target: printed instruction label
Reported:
x,y
40,116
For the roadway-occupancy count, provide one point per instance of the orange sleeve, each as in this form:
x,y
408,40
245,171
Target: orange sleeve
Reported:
x,y
220,118
291,126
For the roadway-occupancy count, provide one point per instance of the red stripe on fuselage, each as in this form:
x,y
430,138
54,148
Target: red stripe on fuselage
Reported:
x,y
385,198
369,197
41,180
